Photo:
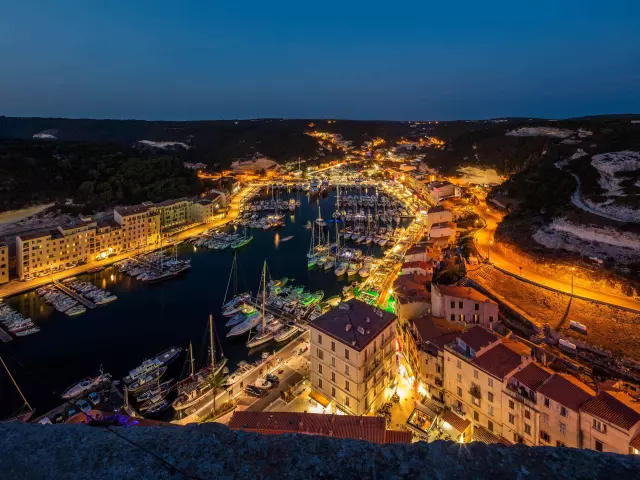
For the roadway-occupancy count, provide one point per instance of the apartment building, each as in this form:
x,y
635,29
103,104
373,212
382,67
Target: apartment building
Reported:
x,y
4,263
42,253
559,400
353,350
421,268
610,422
437,191
477,368
443,230
206,209
109,239
463,304
439,214
140,225
174,213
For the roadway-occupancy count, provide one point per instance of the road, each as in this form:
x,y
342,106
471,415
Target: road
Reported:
x,y
15,286
485,237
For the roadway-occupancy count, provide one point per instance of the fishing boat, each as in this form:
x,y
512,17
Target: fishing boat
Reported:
x,y
352,269
341,269
147,381
152,364
161,388
85,385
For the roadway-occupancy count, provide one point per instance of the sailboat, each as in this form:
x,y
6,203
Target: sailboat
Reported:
x,y
242,241
198,386
22,414
311,258
265,332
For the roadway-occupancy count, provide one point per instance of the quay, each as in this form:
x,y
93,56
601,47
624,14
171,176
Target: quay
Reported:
x,y
74,295
4,336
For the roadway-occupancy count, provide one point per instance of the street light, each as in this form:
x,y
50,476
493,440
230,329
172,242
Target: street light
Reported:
x,y
489,251
573,269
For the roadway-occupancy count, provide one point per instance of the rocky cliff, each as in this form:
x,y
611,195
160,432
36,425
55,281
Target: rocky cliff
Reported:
x,y
213,451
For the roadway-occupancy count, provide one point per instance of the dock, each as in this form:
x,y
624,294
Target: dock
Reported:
x,y
4,336
74,295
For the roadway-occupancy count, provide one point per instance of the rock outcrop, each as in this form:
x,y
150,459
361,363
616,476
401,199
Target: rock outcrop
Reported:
x,y
213,451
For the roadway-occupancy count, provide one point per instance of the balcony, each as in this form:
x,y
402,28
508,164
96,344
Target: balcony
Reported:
x,y
475,392
521,396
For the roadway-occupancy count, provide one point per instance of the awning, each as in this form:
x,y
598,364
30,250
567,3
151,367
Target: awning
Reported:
x,y
318,397
451,421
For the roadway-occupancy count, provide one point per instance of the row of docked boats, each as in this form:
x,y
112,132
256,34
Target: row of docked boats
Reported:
x,y
88,290
154,267
62,302
15,322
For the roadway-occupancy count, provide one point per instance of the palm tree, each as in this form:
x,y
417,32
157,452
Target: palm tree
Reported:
x,y
215,381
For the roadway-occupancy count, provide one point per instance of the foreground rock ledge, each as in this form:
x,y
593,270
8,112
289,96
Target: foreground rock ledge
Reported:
x,y
213,451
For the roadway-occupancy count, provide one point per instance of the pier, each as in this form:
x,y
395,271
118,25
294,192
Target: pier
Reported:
x,y
4,336
74,295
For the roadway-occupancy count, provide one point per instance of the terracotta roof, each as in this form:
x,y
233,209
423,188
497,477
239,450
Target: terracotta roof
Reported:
x,y
436,209
481,434
397,436
443,225
426,327
478,337
532,376
32,235
463,292
416,250
372,429
444,339
458,423
348,320
566,390
498,361
616,409
417,264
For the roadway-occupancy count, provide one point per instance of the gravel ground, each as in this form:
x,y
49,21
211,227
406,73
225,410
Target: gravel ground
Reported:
x,y
609,328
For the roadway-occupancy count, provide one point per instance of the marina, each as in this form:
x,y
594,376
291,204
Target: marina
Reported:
x,y
168,313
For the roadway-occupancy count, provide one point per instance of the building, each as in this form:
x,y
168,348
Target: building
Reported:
x,y
353,356
174,213
610,422
420,267
109,239
446,230
439,214
437,191
4,263
206,209
416,253
477,368
140,225
559,400
371,429
412,294
463,304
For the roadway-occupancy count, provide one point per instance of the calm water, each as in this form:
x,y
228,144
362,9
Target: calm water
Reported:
x,y
146,319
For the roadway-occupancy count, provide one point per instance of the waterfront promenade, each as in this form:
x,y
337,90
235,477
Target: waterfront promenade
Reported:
x,y
15,287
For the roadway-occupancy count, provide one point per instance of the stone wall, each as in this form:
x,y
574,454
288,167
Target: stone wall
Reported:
x,y
213,451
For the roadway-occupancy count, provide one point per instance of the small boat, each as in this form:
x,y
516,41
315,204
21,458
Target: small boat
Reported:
x,y
83,386
341,269
150,365
286,239
352,270
243,369
243,327
158,407
147,381
162,387
286,333
333,301
311,261
236,319
153,402
364,271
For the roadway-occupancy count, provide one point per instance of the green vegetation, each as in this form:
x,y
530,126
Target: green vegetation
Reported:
x,y
95,176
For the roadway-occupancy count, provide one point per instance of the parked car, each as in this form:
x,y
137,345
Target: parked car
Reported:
x,y
58,418
255,391
70,411
275,381
45,421
94,398
83,405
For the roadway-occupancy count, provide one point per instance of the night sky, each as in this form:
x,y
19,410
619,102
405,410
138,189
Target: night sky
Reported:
x,y
338,59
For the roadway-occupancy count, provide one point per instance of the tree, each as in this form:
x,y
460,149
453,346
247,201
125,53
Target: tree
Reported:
x,y
216,382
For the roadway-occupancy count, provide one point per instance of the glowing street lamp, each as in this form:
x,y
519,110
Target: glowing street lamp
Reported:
x,y
489,251
573,269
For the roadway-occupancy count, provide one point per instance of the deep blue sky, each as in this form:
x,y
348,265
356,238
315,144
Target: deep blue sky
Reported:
x,y
368,60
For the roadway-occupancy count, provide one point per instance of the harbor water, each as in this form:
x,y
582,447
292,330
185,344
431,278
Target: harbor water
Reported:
x,y
148,318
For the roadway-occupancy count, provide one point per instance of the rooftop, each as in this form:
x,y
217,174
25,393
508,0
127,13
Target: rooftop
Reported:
x,y
532,376
478,337
171,201
566,390
436,209
354,323
443,225
33,235
614,407
458,423
372,429
131,209
481,434
498,361
463,292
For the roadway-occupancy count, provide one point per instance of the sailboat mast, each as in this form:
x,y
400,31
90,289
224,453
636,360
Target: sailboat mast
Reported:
x,y
15,384
264,294
190,359
213,351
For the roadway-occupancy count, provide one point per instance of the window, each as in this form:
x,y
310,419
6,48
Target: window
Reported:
x,y
545,419
475,374
459,363
333,346
346,401
527,429
512,418
598,425
476,417
477,306
491,410
333,377
459,378
527,414
462,318
459,392
490,382
490,318
320,339
453,304
319,383
453,317
320,354
559,443
476,318
459,304
599,446
490,425
320,368
490,397
547,402
563,411
333,391
563,428
333,361
346,354
346,370
512,405
346,386
545,436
